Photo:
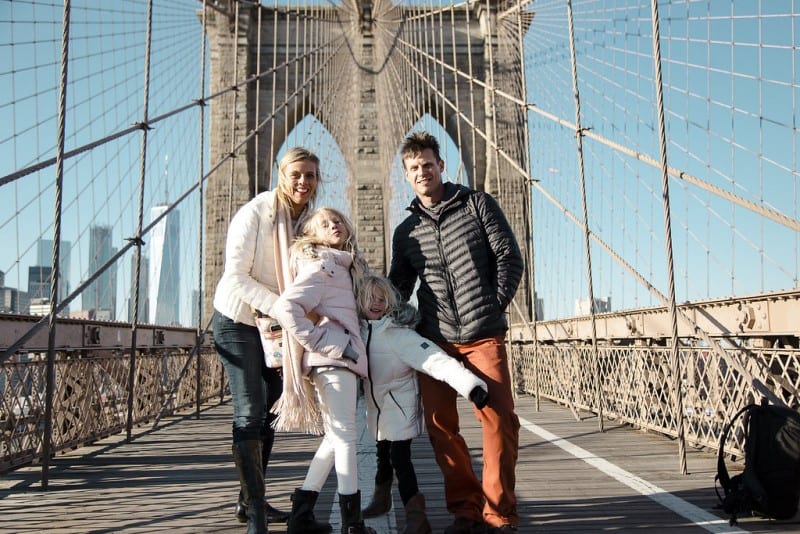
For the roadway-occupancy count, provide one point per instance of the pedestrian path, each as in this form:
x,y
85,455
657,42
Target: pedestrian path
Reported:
x,y
180,478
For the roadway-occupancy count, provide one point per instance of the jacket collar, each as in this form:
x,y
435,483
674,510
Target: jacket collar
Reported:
x,y
453,195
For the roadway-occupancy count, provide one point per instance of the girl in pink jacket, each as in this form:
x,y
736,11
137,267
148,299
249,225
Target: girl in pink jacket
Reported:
x,y
322,364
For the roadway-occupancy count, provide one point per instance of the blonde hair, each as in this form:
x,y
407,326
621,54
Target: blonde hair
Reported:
x,y
311,236
284,187
372,284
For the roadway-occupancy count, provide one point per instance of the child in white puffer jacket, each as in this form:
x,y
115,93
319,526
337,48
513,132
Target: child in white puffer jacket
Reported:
x,y
394,414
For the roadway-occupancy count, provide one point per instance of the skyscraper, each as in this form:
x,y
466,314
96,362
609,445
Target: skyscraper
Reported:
x,y
101,295
164,277
44,257
39,289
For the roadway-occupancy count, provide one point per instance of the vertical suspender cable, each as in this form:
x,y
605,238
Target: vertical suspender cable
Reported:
x,y
529,226
50,372
285,103
296,64
140,221
491,107
233,118
200,203
304,71
674,349
440,79
474,140
257,137
459,111
274,48
598,379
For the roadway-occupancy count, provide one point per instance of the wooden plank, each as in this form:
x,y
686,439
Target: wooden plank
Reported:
x,y
180,477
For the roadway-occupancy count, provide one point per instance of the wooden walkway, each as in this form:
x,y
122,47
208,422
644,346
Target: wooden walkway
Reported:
x,y
180,478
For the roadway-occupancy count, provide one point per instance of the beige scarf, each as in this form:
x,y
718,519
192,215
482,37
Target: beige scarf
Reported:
x,y
297,409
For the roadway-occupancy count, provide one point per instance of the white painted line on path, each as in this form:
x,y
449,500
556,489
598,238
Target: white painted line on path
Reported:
x,y
693,513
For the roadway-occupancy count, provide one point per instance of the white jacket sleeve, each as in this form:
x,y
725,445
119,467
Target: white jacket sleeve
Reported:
x,y
426,357
240,252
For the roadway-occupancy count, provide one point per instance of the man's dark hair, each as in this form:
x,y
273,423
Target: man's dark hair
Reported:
x,y
416,142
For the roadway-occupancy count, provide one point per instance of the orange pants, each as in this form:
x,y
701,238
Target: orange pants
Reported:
x,y
495,501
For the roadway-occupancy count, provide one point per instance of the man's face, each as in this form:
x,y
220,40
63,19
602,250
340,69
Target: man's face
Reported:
x,y
424,173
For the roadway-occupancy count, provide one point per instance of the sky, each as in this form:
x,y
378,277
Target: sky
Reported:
x,y
730,87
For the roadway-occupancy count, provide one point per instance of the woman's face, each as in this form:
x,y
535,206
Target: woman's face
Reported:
x,y
333,230
376,305
303,179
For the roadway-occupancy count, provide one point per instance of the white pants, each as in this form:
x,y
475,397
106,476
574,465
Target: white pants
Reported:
x,y
336,390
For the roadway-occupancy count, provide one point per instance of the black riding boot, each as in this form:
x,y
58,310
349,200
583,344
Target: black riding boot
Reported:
x,y
301,519
273,514
350,506
247,456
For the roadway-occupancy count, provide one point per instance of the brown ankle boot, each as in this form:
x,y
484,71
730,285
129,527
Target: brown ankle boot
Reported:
x,y
416,519
381,500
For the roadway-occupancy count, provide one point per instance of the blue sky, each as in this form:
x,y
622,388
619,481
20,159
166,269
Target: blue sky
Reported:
x,y
730,87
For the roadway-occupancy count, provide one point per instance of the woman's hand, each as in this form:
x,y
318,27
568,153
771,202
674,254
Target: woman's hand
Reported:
x,y
313,317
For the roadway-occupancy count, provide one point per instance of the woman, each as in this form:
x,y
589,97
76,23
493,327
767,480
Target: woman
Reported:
x,y
256,270
322,372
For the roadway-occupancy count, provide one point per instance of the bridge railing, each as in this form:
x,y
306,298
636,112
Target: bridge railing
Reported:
x,y
90,397
634,384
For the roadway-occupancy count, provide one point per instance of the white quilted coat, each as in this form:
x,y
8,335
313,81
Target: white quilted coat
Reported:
x,y
250,278
396,353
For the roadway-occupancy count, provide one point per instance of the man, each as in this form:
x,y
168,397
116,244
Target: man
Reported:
x,y
460,247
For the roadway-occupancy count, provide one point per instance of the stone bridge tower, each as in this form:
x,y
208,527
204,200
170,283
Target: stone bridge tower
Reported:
x,y
351,86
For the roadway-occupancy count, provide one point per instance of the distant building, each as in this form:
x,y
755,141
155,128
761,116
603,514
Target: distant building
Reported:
x,y
38,284
9,300
44,256
601,305
164,281
539,303
10,297
101,295
39,306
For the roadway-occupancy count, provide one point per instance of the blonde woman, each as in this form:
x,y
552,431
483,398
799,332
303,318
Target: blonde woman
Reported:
x,y
256,270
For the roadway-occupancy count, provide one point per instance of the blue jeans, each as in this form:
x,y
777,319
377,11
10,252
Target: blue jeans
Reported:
x,y
254,387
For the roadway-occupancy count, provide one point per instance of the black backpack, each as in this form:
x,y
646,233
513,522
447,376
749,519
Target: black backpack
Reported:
x,y
769,486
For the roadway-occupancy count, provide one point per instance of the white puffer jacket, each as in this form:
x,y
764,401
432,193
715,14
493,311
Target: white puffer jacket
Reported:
x,y
250,278
396,352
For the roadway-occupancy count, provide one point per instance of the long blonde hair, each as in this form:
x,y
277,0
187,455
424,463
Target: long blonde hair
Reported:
x,y
283,189
310,238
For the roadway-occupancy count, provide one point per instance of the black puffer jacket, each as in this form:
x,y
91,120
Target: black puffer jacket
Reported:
x,y
468,263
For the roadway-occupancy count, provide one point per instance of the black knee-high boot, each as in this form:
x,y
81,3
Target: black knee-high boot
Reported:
x,y
350,506
273,514
301,519
247,456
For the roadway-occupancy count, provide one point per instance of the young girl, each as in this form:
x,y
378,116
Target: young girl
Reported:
x,y
322,364
394,415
